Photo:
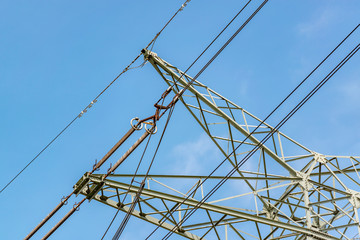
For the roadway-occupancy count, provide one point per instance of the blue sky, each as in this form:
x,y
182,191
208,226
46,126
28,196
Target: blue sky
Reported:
x,y
56,56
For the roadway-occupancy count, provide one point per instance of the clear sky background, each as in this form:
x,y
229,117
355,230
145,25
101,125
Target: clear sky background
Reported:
x,y
56,56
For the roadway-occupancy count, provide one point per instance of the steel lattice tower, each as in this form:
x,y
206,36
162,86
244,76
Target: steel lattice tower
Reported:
x,y
292,192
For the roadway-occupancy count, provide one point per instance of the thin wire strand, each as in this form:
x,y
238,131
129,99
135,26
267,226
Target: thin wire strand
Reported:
x,y
136,199
211,43
132,180
185,89
217,54
268,116
220,50
96,98
276,128
208,46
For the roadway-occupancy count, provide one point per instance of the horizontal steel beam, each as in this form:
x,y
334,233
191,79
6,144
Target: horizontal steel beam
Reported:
x,y
269,177
214,208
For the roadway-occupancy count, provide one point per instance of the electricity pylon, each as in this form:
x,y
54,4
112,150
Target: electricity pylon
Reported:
x,y
287,192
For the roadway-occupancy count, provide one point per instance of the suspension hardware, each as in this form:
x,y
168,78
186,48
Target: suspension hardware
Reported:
x,y
138,125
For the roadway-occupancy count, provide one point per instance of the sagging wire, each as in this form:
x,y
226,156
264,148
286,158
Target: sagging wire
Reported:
x,y
125,220
215,56
302,102
285,99
258,146
127,68
80,115
158,114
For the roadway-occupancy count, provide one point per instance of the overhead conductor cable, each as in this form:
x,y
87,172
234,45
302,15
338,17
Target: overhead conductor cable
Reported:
x,y
127,216
276,128
96,98
58,207
350,55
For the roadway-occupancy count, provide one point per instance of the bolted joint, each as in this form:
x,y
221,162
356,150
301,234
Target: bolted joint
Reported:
x,y
148,53
180,230
304,182
82,183
320,158
355,198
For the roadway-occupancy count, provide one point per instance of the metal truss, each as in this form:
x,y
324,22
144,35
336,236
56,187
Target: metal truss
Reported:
x,y
287,191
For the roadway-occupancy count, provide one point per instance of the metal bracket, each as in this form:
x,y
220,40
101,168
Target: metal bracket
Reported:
x,y
81,184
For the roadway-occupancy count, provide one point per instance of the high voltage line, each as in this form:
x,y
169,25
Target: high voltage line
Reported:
x,y
277,127
97,97
122,226
127,216
282,122
161,109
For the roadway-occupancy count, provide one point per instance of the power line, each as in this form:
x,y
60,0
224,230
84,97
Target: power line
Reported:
x,y
276,128
132,180
112,150
153,41
127,216
219,51
96,98
271,113
137,197
125,220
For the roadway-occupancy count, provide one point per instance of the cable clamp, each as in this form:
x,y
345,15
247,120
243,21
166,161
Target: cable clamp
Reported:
x,y
151,130
138,125
184,5
64,201
76,206
94,166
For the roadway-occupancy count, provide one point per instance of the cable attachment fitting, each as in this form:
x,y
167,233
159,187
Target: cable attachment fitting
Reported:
x,y
147,54
138,125
152,129
87,107
176,98
76,206
64,200
184,5
82,113
94,166
166,92
92,103
109,170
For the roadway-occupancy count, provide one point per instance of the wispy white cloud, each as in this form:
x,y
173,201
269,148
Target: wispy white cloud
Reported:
x,y
243,87
351,91
317,23
345,114
194,156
